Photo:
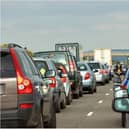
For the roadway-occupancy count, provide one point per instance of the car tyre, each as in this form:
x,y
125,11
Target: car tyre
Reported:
x,y
69,98
52,122
58,106
91,91
81,92
95,89
63,103
40,125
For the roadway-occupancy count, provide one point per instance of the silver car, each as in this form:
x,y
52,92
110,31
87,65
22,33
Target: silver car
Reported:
x,y
106,72
88,77
98,70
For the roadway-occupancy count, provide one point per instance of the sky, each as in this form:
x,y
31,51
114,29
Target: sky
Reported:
x,y
40,24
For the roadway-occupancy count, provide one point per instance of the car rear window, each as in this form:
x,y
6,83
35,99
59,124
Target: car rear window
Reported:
x,y
82,67
7,69
41,66
94,65
59,57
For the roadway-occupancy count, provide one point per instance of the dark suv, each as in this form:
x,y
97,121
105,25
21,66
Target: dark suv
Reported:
x,y
20,89
67,60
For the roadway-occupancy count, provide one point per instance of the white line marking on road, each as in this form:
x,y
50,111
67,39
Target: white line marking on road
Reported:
x,y
90,114
111,90
107,94
100,101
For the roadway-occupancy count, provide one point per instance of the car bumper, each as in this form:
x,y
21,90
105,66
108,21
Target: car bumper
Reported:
x,y
17,118
99,78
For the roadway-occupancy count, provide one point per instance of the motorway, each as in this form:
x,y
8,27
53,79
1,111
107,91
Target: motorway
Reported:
x,y
91,111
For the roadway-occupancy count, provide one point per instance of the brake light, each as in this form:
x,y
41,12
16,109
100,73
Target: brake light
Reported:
x,y
72,66
64,74
123,87
24,85
25,105
87,76
63,79
101,71
53,82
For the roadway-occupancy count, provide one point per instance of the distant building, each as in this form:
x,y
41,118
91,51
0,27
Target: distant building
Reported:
x,y
118,55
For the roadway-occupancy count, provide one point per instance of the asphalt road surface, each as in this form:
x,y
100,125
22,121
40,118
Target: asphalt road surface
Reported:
x,y
91,111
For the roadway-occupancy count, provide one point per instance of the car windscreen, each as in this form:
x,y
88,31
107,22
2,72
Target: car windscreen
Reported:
x,y
7,69
94,65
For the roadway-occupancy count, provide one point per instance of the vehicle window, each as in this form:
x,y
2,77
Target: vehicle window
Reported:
x,y
59,57
94,65
7,69
41,66
26,64
82,67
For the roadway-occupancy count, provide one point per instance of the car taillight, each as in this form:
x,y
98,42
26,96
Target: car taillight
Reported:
x,y
87,76
64,74
101,71
25,105
63,79
124,87
24,85
72,66
53,82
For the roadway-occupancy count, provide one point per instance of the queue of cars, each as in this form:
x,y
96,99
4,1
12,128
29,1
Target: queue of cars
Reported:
x,y
34,89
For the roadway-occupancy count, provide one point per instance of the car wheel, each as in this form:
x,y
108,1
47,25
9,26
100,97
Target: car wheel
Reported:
x,y
52,122
123,119
69,98
103,83
40,125
63,103
81,92
91,91
95,89
58,105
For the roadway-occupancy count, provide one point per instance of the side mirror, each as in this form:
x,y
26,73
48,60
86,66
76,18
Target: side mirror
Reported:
x,y
47,81
116,87
59,72
64,75
121,101
121,105
50,73
95,70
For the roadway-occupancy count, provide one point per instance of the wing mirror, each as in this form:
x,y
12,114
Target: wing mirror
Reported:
x,y
95,70
121,101
50,73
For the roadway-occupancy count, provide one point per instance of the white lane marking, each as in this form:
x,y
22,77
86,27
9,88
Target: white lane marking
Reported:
x,y
111,90
107,94
100,101
90,114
